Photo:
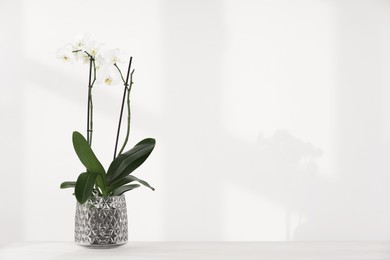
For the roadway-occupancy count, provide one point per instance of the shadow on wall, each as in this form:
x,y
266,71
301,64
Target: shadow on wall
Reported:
x,y
286,172
282,169
201,156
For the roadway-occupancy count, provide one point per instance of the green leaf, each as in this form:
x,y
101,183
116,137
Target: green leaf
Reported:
x,y
127,179
68,184
127,162
84,186
89,159
85,154
125,188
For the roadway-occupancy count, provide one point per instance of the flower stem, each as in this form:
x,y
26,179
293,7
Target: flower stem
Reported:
x,y
123,102
128,114
89,101
91,117
120,72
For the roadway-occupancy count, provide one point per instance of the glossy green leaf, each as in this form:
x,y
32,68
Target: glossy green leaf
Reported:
x,y
128,179
84,186
68,184
127,162
85,154
89,160
125,188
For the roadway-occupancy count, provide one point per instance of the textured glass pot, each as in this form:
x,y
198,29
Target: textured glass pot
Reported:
x,y
101,222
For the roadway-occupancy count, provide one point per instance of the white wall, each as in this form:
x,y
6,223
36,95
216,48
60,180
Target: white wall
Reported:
x,y
272,118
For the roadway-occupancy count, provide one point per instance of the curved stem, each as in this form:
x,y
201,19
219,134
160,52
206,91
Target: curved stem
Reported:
x,y
128,114
120,72
123,102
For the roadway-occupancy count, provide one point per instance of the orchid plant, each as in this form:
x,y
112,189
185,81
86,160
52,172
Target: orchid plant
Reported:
x,y
104,68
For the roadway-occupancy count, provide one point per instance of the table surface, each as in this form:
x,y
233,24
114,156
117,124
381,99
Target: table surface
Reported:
x,y
201,250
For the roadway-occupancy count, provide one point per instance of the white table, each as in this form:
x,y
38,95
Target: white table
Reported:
x,y
201,250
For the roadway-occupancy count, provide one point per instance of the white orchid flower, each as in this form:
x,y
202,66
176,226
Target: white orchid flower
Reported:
x,y
99,61
79,41
93,47
65,53
84,57
78,45
108,75
113,56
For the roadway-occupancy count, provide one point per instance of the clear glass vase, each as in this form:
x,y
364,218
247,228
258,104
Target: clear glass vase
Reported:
x,y
101,222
